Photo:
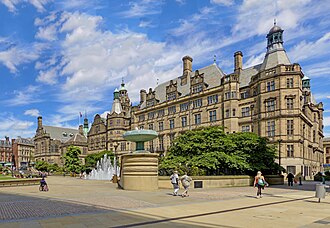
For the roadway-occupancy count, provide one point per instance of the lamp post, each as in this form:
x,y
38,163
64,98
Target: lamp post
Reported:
x,y
279,153
115,177
12,164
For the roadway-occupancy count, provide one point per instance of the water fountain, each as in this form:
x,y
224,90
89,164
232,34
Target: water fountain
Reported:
x,y
139,168
105,169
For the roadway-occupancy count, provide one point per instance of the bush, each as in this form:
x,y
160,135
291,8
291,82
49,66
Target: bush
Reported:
x,y
318,176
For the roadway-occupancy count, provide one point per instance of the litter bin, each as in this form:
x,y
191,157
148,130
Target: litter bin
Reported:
x,y
320,191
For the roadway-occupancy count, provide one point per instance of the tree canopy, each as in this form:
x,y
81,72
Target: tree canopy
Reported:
x,y
72,161
210,151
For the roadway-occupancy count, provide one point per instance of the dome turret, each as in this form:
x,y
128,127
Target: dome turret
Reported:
x,y
275,38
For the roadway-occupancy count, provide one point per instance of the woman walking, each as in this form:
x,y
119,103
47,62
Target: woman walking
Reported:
x,y
260,183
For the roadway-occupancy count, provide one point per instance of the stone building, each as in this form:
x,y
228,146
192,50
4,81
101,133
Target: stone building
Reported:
x,y
48,142
106,134
79,140
6,150
23,149
272,99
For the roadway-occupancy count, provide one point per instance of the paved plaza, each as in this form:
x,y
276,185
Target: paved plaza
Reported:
x,y
73,202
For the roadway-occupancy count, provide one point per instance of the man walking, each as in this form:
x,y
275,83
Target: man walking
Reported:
x,y
175,182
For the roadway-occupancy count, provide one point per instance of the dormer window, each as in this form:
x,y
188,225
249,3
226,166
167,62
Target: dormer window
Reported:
x,y
171,96
71,134
64,134
150,103
197,88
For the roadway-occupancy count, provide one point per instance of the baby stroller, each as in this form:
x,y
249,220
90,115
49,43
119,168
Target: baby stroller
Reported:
x,y
43,185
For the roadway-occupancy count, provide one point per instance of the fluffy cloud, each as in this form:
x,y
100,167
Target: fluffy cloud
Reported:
x,y
32,112
13,127
14,56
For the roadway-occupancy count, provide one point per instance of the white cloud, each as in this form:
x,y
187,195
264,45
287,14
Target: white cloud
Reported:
x,y
24,97
223,2
47,33
13,127
17,55
32,112
38,4
309,50
326,121
142,8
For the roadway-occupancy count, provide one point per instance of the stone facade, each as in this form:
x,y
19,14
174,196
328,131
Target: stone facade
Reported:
x,y
106,134
23,149
272,99
49,140
6,150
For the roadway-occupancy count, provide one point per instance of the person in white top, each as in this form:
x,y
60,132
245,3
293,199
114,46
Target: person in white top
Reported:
x,y
175,182
185,181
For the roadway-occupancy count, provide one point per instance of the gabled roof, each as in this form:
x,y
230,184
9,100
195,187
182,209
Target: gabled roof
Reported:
x,y
78,138
212,77
60,133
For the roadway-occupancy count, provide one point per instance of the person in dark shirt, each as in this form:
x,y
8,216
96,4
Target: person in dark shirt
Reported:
x,y
43,185
290,177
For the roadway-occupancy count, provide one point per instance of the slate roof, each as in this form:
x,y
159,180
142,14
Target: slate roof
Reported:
x,y
77,138
274,58
212,77
60,133
24,140
5,143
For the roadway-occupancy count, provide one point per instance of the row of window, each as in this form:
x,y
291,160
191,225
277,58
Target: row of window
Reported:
x,y
213,99
184,121
270,106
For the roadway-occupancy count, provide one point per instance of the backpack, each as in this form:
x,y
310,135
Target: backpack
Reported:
x,y
261,182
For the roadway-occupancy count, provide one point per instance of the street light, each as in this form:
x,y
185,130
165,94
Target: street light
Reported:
x,y
115,177
279,153
12,164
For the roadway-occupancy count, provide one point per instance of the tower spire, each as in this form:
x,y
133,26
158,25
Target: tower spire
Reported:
x,y
214,59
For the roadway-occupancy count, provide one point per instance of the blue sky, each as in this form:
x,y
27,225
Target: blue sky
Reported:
x,y
59,58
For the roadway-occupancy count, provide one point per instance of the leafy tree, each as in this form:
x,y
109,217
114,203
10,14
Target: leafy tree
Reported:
x,y
72,161
211,151
42,166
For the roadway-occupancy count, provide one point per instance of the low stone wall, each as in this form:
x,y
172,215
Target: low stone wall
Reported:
x,y
22,181
221,181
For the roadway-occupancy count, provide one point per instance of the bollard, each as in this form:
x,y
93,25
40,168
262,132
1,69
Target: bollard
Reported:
x,y
300,181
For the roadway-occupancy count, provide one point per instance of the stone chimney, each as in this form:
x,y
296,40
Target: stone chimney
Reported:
x,y
238,64
39,122
81,129
143,96
187,65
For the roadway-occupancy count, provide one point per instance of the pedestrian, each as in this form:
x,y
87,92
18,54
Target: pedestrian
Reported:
x,y
175,182
260,183
290,178
43,185
185,181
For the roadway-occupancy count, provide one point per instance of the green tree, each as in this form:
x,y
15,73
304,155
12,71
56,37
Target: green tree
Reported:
x,y
211,151
72,162
42,166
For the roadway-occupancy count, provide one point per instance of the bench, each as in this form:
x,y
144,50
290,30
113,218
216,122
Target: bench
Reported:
x,y
23,181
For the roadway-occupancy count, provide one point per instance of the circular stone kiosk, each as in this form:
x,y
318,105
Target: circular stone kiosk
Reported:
x,y
140,168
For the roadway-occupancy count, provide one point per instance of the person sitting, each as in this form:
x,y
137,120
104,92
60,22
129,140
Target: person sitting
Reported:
x,y
43,185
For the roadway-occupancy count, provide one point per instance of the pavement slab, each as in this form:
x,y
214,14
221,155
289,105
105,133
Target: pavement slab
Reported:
x,y
73,202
